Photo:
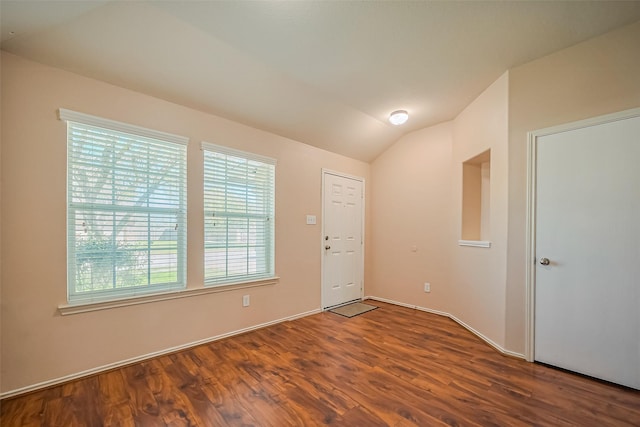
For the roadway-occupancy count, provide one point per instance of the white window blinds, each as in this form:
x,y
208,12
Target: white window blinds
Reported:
x,y
126,204
239,193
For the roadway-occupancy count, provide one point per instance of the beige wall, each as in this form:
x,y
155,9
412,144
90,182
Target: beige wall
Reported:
x,y
411,227
417,204
597,77
413,210
486,288
471,202
40,345
479,274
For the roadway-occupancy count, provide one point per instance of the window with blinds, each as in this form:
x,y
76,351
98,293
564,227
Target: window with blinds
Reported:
x,y
239,192
126,204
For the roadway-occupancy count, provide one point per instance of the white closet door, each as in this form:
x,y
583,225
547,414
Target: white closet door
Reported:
x,y
587,296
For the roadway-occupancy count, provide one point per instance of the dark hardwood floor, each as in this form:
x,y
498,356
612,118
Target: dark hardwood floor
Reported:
x,y
389,367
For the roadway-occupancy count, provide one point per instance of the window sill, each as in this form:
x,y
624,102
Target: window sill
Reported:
x,y
84,307
475,243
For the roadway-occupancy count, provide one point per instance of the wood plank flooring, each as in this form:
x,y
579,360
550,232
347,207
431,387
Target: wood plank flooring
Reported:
x,y
389,367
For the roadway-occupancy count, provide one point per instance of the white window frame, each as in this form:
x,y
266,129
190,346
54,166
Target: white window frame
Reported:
x,y
177,144
267,166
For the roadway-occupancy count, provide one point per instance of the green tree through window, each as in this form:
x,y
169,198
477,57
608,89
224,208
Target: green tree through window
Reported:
x,y
126,209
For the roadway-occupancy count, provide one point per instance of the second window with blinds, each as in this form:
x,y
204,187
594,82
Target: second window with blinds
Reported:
x,y
239,210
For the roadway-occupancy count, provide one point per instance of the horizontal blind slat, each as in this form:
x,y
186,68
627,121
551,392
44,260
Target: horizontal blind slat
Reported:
x,y
239,211
126,212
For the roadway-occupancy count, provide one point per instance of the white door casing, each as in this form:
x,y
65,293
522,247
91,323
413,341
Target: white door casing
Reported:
x,y
585,219
342,238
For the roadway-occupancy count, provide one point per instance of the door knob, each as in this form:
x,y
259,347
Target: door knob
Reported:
x,y
544,261
327,247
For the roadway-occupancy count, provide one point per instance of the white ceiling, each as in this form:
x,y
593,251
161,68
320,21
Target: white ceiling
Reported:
x,y
326,73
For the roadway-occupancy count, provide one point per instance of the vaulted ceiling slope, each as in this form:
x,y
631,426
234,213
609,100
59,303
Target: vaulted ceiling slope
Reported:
x,y
326,73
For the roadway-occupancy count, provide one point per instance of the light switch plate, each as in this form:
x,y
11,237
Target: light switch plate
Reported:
x,y
311,220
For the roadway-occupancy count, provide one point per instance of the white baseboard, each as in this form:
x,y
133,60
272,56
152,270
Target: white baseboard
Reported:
x,y
455,319
103,368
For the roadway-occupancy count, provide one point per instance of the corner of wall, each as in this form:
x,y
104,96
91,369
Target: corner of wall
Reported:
x,y
479,274
417,193
596,77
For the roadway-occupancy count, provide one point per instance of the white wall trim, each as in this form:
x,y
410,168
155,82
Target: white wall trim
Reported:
x,y
87,119
592,121
125,362
530,250
475,243
484,338
87,306
343,175
208,146
532,166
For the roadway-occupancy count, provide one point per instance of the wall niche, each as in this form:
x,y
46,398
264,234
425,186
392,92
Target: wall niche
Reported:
x,y
476,188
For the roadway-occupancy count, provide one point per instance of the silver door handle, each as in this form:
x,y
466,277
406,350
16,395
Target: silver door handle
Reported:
x,y
327,247
544,261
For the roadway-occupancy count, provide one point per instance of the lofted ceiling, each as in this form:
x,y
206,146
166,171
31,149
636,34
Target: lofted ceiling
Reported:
x,y
325,73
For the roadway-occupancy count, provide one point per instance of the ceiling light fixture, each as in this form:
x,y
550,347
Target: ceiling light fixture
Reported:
x,y
398,117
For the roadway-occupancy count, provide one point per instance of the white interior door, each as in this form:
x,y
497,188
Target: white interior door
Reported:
x,y
587,296
342,243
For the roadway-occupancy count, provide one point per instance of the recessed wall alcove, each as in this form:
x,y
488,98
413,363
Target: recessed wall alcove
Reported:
x,y
476,188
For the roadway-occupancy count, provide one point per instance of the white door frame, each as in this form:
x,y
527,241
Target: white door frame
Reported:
x,y
532,165
322,242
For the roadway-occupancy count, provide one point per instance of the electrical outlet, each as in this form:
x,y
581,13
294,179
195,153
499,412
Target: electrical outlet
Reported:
x,y
246,300
427,287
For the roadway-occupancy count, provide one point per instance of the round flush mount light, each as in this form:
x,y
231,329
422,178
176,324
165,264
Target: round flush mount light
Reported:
x,y
398,117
